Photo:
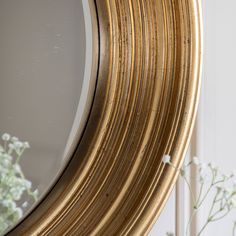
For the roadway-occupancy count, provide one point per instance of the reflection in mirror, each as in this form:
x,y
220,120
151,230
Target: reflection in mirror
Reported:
x,y
45,82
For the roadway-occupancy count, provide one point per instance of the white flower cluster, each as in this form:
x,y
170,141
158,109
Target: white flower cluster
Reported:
x,y
214,185
13,184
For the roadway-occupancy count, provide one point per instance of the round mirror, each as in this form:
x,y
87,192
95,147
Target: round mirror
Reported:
x,y
45,95
93,94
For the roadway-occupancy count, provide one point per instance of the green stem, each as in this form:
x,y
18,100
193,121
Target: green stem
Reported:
x,y
200,194
195,210
209,215
30,193
203,228
234,229
213,205
213,183
221,217
190,221
205,195
190,190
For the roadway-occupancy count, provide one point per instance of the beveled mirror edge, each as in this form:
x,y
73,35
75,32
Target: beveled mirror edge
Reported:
x,y
60,219
89,84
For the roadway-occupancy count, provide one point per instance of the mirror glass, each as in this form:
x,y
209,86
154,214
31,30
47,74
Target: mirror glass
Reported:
x,y
45,95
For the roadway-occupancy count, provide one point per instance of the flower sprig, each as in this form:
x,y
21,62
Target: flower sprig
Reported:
x,y
214,185
13,184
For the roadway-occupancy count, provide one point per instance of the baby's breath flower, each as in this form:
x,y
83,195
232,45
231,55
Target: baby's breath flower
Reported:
x,y
6,137
36,192
16,193
14,139
11,146
7,156
13,183
18,144
6,163
18,213
26,145
25,204
27,184
9,204
233,203
166,159
196,161
213,183
219,189
17,168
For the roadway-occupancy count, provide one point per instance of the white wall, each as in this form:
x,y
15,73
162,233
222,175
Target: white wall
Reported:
x,y
166,221
218,105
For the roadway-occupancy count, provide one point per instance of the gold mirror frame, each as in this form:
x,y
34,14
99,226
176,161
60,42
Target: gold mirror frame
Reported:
x,y
147,59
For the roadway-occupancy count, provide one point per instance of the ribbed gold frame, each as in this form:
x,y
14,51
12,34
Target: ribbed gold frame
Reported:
x,y
149,61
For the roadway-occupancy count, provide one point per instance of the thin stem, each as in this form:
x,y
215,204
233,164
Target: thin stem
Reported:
x,y
5,145
213,205
205,195
195,209
211,218
234,229
203,228
190,221
213,183
200,194
221,217
209,215
30,193
219,181
190,190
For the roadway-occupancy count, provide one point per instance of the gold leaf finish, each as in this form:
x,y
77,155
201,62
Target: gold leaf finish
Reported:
x,y
149,61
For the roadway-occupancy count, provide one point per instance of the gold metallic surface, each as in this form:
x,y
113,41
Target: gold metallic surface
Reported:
x,y
144,107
